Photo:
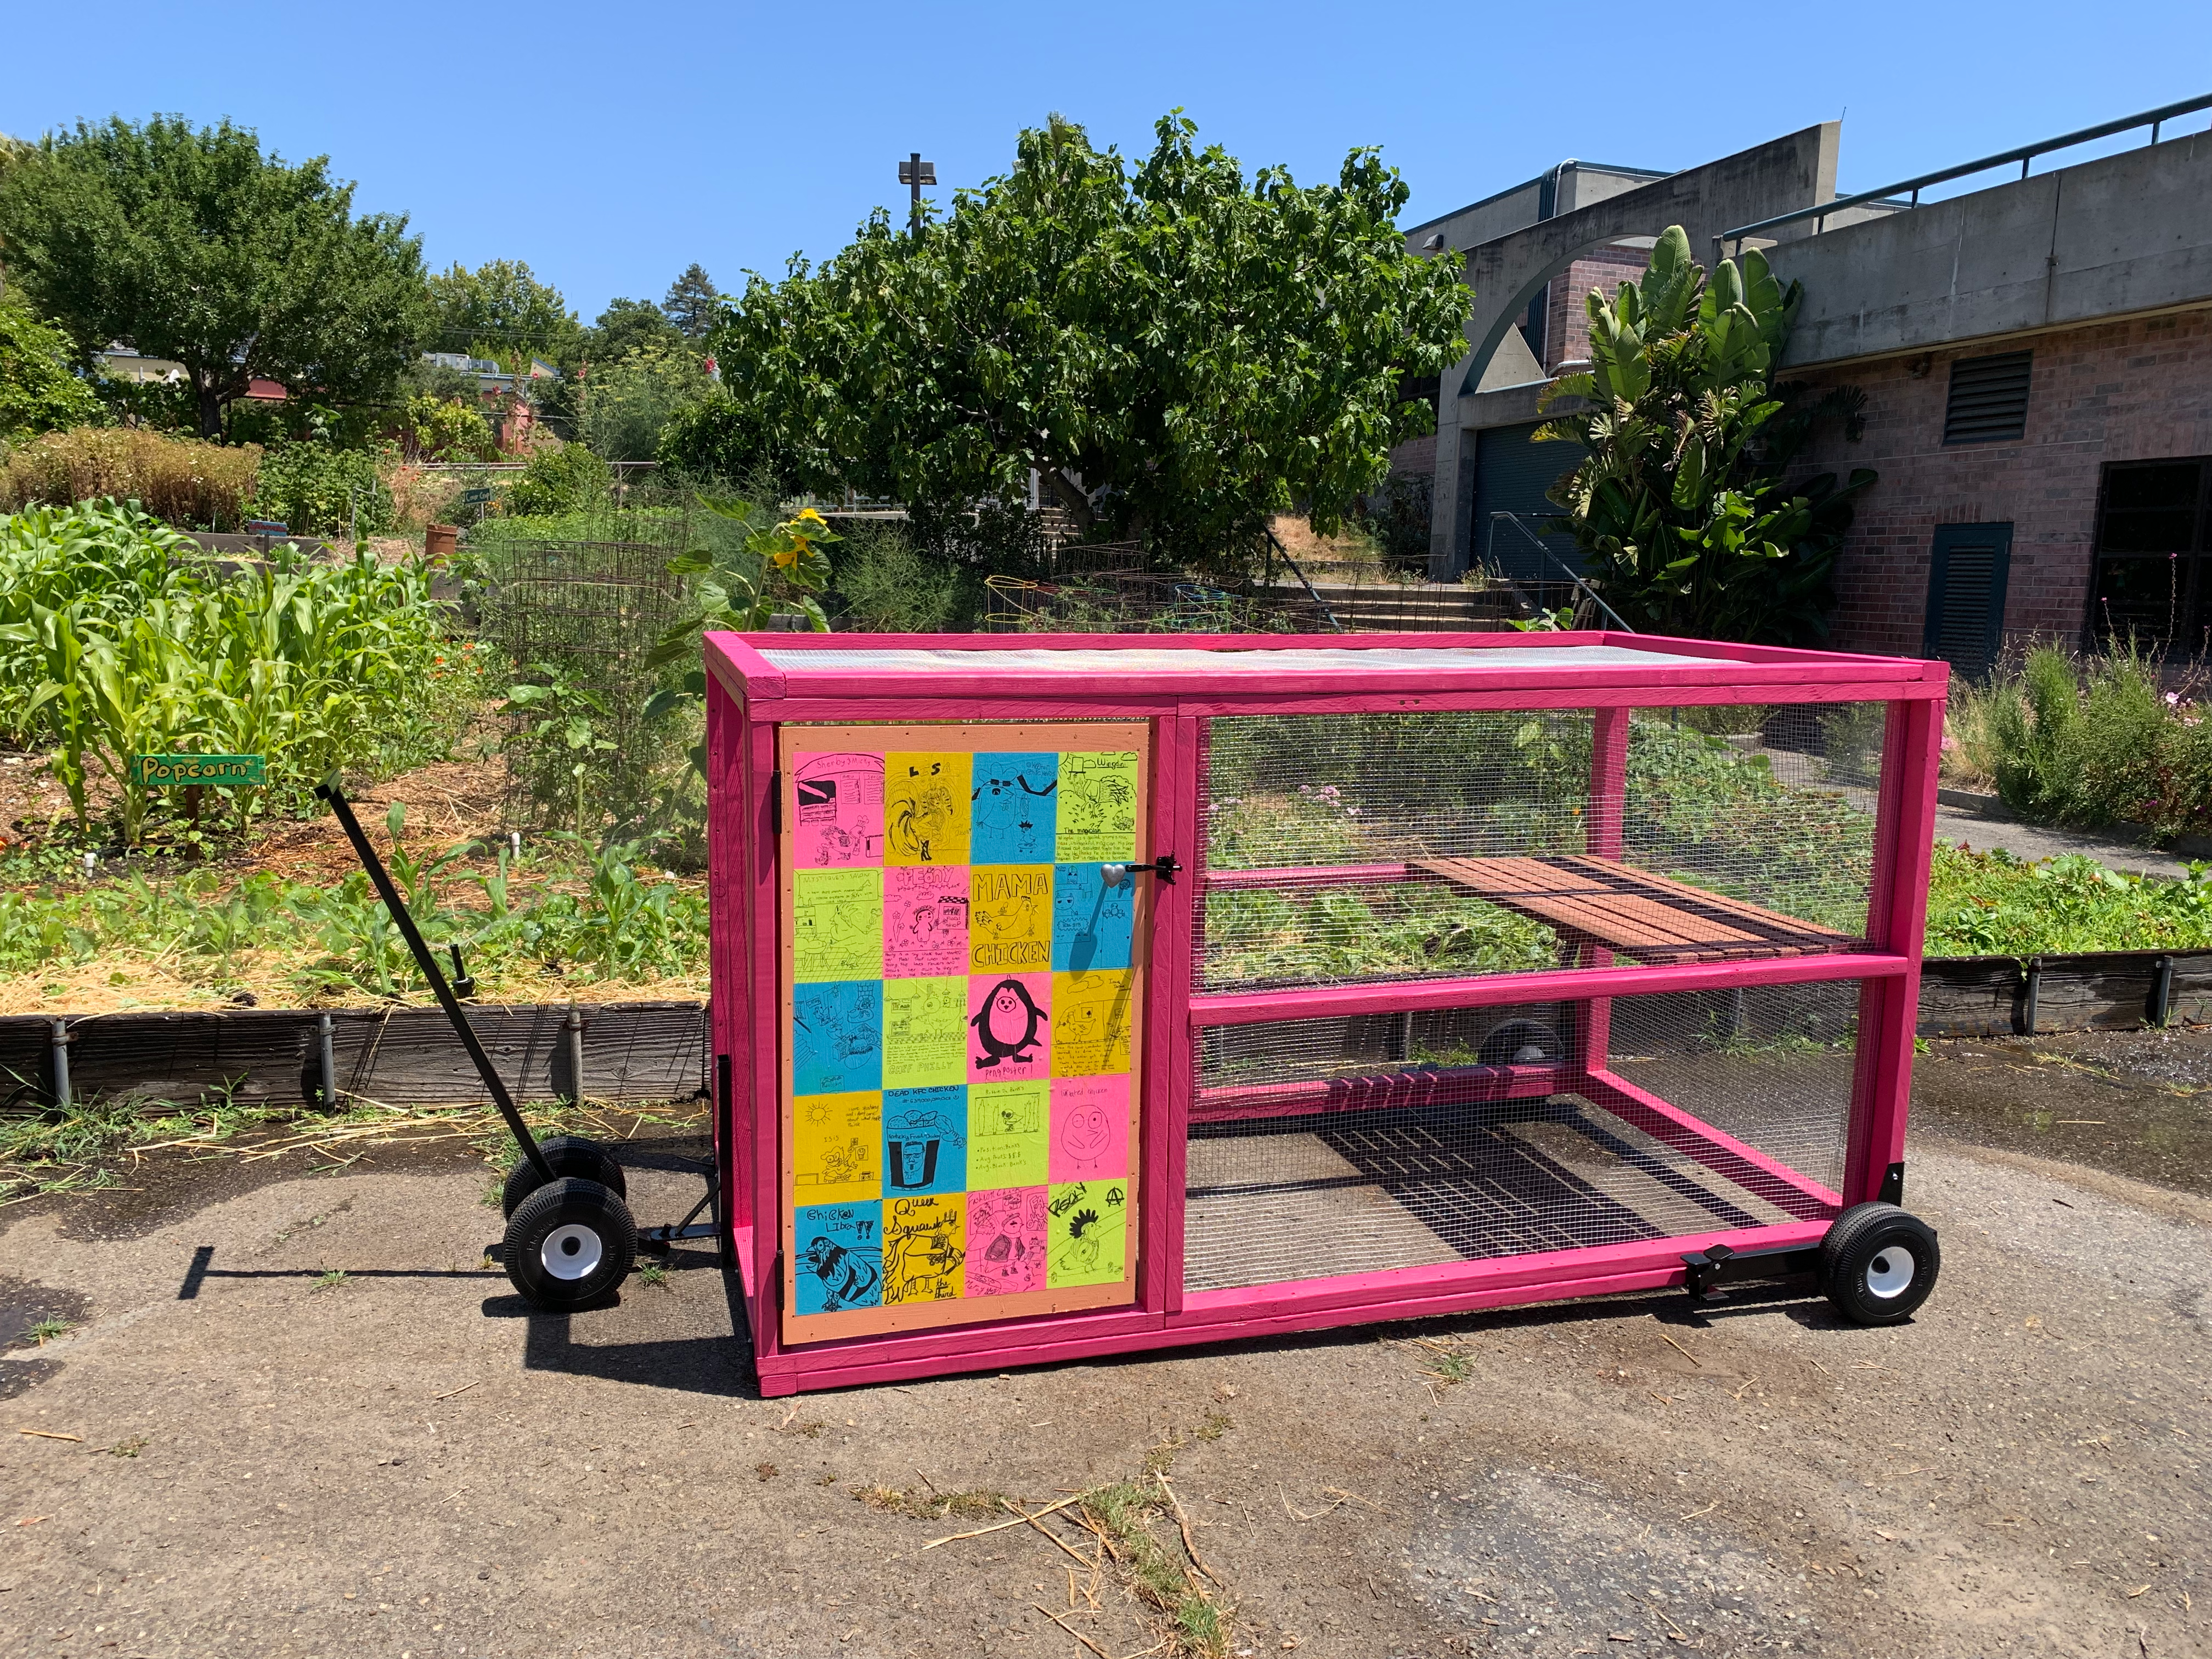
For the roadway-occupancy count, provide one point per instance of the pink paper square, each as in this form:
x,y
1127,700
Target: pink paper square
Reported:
x,y
837,811
1090,1136
1009,1027
1006,1241
925,921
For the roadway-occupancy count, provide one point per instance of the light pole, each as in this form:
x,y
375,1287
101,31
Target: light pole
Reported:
x,y
915,171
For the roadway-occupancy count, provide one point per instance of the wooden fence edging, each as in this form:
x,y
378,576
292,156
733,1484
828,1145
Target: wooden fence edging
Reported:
x,y
633,1051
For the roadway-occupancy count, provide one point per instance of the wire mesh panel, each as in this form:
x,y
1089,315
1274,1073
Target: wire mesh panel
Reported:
x,y
1391,846
1341,1146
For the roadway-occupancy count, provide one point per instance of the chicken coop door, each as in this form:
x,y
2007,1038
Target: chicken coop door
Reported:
x,y
964,948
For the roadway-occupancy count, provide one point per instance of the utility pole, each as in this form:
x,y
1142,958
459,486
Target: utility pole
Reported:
x,y
916,173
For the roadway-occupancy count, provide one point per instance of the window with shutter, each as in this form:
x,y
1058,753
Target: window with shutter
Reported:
x,y
1969,565
1989,399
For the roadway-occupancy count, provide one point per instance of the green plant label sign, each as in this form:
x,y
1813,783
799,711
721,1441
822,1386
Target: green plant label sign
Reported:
x,y
223,771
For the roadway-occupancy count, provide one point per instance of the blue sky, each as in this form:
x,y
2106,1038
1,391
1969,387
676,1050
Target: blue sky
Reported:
x,y
609,146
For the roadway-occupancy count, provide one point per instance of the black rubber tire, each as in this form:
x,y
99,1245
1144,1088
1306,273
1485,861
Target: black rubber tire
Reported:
x,y
569,1244
569,1155
1879,1263
1508,1043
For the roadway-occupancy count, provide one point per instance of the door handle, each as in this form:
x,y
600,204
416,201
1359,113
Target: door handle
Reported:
x,y
1164,866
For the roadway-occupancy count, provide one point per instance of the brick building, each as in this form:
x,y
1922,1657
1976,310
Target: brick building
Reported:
x,y
2035,360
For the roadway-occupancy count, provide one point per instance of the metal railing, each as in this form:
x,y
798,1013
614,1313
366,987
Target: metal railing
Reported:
x,y
1536,539
1910,189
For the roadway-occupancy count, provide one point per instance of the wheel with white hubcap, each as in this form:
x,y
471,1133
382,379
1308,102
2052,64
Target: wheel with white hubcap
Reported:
x,y
1878,1263
569,1243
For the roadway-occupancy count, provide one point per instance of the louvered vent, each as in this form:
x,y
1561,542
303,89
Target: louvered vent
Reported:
x,y
1989,399
1962,625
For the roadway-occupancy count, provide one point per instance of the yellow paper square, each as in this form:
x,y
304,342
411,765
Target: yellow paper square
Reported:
x,y
1009,918
836,1148
925,1244
926,808
1092,1023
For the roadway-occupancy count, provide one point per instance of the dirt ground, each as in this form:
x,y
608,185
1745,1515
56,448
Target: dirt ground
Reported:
x,y
238,1456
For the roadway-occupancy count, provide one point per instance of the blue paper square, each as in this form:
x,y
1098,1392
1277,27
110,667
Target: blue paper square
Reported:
x,y
1092,924
1014,816
925,1141
837,1255
838,1037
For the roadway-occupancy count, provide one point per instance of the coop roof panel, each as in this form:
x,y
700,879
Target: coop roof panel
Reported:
x,y
1171,659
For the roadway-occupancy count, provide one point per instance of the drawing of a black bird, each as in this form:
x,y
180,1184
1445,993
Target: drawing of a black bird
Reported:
x,y
1005,1011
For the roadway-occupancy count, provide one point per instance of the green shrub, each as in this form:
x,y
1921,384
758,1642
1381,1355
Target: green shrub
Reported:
x,y
180,481
2092,743
316,488
569,479
890,586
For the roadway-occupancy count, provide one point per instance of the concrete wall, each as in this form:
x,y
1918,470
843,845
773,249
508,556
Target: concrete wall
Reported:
x,y
2129,233
1507,272
2132,390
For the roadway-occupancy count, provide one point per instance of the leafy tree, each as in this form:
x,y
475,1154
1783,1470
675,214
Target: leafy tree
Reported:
x,y
693,303
628,326
628,402
37,392
1679,507
1197,350
195,247
501,310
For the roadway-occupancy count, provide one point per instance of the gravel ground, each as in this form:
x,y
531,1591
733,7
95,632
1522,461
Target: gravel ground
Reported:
x,y
404,1462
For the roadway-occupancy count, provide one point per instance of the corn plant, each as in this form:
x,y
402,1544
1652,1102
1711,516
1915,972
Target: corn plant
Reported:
x,y
117,639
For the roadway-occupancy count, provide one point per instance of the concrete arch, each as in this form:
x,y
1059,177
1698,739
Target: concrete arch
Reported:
x,y
1507,272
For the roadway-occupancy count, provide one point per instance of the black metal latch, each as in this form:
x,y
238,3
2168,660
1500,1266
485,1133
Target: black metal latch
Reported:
x,y
1164,866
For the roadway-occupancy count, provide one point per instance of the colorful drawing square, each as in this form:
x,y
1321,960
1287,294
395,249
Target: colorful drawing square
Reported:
x,y
926,808
837,1260
1009,1027
836,1143
1006,1241
925,1032
836,1037
1087,1233
1093,926
1098,813
1013,809
1091,1027
925,1141
837,925
925,921
1009,918
1090,1128
925,1242
1009,1137
837,811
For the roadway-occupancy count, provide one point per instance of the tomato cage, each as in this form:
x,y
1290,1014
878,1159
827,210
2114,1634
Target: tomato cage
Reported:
x,y
1079,994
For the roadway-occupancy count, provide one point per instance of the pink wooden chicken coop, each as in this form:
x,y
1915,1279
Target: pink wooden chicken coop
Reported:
x,y
1077,994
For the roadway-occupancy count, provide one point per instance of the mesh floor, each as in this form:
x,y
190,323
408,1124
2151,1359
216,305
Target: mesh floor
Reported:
x,y
1443,1174
1291,1199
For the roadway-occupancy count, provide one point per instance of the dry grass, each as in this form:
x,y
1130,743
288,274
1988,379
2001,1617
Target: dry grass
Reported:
x,y
181,480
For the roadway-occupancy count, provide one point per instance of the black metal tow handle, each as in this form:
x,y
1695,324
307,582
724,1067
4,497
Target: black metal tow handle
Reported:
x,y
328,789
1164,866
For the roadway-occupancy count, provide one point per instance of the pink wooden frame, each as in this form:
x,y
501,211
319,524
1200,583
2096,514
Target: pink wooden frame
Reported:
x,y
749,698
